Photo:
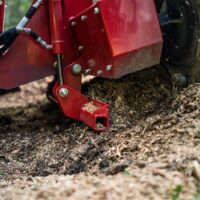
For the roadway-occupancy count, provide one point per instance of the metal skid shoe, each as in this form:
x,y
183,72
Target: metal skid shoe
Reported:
x,y
67,90
77,106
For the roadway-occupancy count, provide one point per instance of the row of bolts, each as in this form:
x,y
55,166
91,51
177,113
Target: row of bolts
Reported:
x,y
77,68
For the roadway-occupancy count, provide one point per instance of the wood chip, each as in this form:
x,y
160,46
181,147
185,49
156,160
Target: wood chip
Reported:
x,y
196,169
90,107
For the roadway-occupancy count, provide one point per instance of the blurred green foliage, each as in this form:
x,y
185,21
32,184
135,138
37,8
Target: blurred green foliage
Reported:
x,y
14,11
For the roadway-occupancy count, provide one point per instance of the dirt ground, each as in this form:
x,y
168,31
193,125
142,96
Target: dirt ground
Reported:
x,y
151,151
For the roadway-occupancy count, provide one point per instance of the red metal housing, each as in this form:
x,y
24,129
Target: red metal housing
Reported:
x,y
118,37
26,61
110,38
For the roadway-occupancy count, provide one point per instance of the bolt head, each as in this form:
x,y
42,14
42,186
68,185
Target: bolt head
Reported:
x,y
99,72
87,71
77,68
96,10
63,92
80,48
55,64
109,67
73,23
84,18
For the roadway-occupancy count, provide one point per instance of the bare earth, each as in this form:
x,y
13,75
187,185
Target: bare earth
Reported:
x,y
151,151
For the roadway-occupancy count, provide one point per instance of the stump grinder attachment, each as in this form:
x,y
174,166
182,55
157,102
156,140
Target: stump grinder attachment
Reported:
x,y
72,38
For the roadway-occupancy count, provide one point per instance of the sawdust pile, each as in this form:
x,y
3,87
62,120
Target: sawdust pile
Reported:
x,y
151,150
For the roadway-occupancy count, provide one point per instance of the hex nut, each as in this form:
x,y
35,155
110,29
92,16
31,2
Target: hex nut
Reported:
x,y
96,10
77,68
109,67
80,48
73,23
84,18
63,92
99,72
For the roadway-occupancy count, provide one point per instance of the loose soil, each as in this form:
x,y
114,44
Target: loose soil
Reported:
x,y
151,150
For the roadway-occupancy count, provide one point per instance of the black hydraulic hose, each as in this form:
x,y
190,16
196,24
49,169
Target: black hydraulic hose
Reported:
x,y
8,37
29,14
39,40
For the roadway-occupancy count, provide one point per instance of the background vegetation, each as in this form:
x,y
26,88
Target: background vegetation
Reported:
x,y
15,10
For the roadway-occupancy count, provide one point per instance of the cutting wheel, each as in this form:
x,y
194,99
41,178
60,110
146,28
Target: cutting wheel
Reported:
x,y
180,23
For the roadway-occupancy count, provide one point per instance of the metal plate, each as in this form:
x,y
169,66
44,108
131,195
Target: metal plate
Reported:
x,y
123,34
26,61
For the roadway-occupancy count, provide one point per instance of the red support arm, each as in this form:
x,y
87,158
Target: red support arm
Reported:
x,y
77,106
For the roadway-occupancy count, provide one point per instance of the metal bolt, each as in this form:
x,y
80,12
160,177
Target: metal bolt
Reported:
x,y
55,64
91,63
109,67
80,48
84,18
87,71
73,23
63,92
77,68
99,72
96,10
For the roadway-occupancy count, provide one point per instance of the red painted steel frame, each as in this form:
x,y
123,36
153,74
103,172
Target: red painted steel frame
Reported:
x,y
124,36
73,105
26,61
2,8
110,39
